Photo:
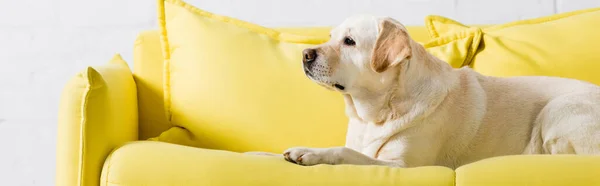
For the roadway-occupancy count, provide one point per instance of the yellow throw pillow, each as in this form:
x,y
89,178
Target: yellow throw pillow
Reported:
x,y
240,87
456,49
564,45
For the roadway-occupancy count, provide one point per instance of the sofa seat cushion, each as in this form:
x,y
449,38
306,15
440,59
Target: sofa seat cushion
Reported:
x,y
531,170
158,163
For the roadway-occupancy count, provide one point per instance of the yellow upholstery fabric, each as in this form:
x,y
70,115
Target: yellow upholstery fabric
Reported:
x,y
437,24
156,163
564,45
531,170
98,112
148,74
456,49
240,87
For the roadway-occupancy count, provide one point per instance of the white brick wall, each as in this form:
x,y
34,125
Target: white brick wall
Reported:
x,y
45,42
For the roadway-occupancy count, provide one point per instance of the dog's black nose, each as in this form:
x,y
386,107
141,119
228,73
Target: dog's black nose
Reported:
x,y
310,55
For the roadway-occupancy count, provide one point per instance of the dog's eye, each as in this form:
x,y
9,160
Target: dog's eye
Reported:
x,y
348,41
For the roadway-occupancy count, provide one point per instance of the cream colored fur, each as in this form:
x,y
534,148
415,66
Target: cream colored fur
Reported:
x,y
408,108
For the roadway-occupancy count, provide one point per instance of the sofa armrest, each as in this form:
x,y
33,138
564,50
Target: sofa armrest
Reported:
x,y
98,112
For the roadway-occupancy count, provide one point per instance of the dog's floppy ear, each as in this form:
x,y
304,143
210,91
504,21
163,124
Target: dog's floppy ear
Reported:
x,y
392,45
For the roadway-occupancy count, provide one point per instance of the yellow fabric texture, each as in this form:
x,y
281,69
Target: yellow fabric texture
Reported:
x,y
456,49
564,45
531,170
437,24
240,87
157,163
98,112
148,74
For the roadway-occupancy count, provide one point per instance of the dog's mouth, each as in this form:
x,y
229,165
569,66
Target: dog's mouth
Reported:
x,y
312,77
307,72
338,86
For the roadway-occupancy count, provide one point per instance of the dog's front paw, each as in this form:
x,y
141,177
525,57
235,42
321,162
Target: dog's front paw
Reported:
x,y
304,156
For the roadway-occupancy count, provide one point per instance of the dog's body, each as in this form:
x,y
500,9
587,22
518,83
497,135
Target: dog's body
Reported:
x,y
408,108
477,117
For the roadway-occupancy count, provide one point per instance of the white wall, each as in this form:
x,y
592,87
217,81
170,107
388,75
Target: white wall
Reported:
x,y
45,42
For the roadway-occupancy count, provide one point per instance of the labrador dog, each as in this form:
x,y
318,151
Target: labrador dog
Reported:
x,y
408,108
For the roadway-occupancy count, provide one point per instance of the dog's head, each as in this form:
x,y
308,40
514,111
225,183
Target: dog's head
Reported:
x,y
362,54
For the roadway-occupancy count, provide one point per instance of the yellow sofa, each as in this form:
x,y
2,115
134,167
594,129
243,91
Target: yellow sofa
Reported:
x,y
116,127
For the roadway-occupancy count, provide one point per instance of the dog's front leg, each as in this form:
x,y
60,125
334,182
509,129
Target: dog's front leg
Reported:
x,y
333,156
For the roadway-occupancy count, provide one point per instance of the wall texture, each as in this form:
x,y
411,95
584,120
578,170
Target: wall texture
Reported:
x,y
45,42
